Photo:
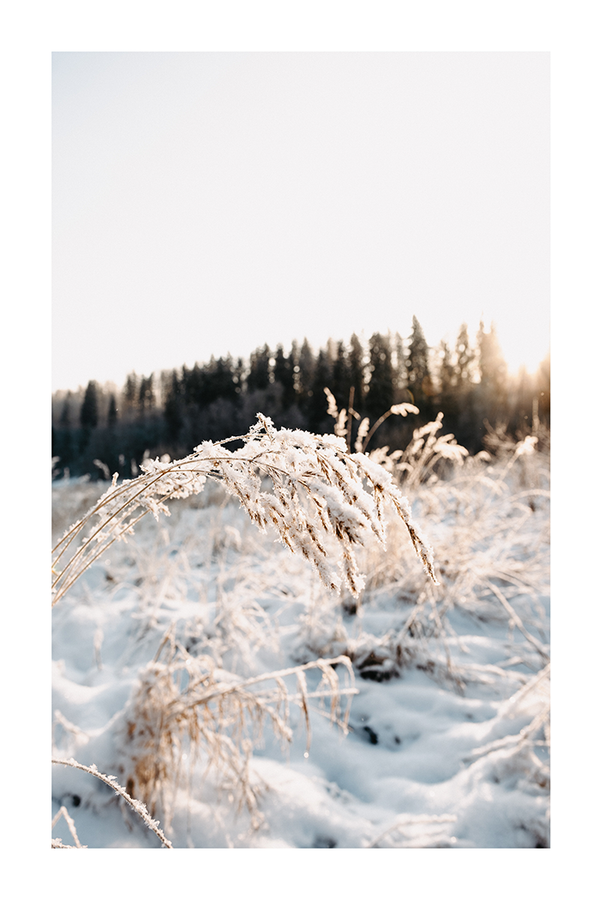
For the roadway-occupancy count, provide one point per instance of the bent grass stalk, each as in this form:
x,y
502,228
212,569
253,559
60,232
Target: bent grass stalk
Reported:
x,y
112,782
323,501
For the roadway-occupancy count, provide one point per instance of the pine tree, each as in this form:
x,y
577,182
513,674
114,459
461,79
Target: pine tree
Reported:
x,y
283,374
226,375
417,367
173,410
112,411
259,376
305,374
208,391
491,393
356,360
448,399
464,360
88,415
194,386
381,382
131,392
146,394
217,381
341,377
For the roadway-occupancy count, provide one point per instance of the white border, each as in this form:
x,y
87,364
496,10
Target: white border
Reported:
x,y
31,31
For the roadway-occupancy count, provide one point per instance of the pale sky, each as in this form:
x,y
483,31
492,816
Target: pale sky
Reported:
x,y
206,203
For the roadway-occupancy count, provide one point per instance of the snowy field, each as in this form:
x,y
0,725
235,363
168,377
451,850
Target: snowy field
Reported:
x,y
436,735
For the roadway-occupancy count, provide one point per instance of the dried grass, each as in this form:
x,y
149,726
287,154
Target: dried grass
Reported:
x,y
186,709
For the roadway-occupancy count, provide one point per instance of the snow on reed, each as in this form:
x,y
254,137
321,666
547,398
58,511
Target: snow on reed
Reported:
x,y
322,500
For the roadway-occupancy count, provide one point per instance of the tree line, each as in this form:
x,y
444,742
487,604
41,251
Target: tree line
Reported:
x,y
103,429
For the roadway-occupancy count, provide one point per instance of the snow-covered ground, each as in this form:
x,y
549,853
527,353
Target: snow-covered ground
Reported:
x,y
447,737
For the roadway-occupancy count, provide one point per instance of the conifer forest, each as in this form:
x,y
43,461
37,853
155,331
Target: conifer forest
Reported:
x,y
102,429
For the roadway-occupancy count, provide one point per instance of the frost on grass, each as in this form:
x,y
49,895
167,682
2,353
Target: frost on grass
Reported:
x,y
112,782
185,708
322,500
466,715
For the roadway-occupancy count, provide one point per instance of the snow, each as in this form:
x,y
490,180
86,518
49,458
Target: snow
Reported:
x,y
437,756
